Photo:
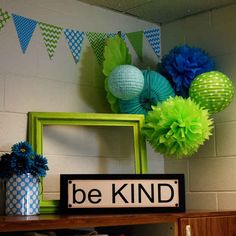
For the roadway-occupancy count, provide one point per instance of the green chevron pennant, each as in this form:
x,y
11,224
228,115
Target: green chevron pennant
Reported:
x,y
4,17
51,35
97,42
136,39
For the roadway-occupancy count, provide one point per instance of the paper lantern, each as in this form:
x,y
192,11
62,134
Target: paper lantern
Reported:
x,y
156,90
126,82
212,90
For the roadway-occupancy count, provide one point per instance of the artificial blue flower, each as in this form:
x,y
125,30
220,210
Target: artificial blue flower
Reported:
x,y
183,64
5,165
23,149
40,165
22,160
20,164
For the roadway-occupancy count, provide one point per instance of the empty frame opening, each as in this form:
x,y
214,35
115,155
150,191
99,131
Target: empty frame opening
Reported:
x,y
85,150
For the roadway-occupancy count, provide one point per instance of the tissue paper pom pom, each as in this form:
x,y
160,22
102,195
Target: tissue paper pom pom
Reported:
x,y
183,64
177,127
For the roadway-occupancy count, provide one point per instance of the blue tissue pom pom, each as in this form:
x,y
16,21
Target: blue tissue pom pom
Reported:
x,y
183,64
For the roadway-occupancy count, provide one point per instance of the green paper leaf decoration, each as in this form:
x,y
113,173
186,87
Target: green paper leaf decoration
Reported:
x,y
177,127
4,17
97,42
136,39
115,53
51,35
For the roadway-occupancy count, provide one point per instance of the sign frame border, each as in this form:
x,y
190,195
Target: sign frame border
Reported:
x,y
101,210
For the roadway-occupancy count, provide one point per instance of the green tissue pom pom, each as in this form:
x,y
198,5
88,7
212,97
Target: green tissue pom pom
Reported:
x,y
177,127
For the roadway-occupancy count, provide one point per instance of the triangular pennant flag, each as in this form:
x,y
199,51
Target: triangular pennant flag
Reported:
x,y
75,41
97,42
136,39
4,17
25,28
51,35
154,38
112,35
123,35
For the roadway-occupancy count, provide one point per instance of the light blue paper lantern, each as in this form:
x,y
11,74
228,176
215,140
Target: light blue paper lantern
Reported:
x,y
126,82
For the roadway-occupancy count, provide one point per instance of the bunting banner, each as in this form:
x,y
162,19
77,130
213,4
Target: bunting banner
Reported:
x,y
97,42
75,40
154,38
4,17
51,35
25,28
136,40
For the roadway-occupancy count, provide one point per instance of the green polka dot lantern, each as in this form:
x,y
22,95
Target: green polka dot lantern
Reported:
x,y
126,82
212,90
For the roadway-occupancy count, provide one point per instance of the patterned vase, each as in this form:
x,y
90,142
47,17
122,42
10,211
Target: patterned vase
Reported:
x,y
2,196
22,195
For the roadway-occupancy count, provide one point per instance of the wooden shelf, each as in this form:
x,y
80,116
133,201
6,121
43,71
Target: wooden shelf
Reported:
x,y
49,222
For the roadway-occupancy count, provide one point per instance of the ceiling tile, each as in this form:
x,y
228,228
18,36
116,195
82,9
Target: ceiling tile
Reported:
x,y
121,5
160,11
164,11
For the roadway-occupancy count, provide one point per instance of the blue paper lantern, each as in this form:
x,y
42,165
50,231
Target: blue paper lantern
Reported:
x,y
126,82
156,90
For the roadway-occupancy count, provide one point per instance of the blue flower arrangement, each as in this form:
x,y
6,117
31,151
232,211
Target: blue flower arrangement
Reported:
x,y
22,160
182,64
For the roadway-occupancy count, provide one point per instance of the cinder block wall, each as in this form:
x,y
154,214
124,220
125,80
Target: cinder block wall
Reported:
x,y
33,82
211,173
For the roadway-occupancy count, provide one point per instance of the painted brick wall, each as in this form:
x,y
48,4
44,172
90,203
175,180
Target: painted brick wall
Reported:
x,y
33,82
210,174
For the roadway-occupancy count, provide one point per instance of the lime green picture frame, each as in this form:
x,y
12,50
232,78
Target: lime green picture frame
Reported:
x,y
37,121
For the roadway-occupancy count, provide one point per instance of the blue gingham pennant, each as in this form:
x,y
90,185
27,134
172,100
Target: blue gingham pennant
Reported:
x,y
154,38
25,28
75,42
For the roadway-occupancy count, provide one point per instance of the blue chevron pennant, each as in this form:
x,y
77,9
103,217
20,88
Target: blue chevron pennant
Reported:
x,y
154,38
75,41
4,17
51,35
25,28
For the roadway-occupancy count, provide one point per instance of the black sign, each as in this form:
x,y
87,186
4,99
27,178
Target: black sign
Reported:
x,y
104,193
